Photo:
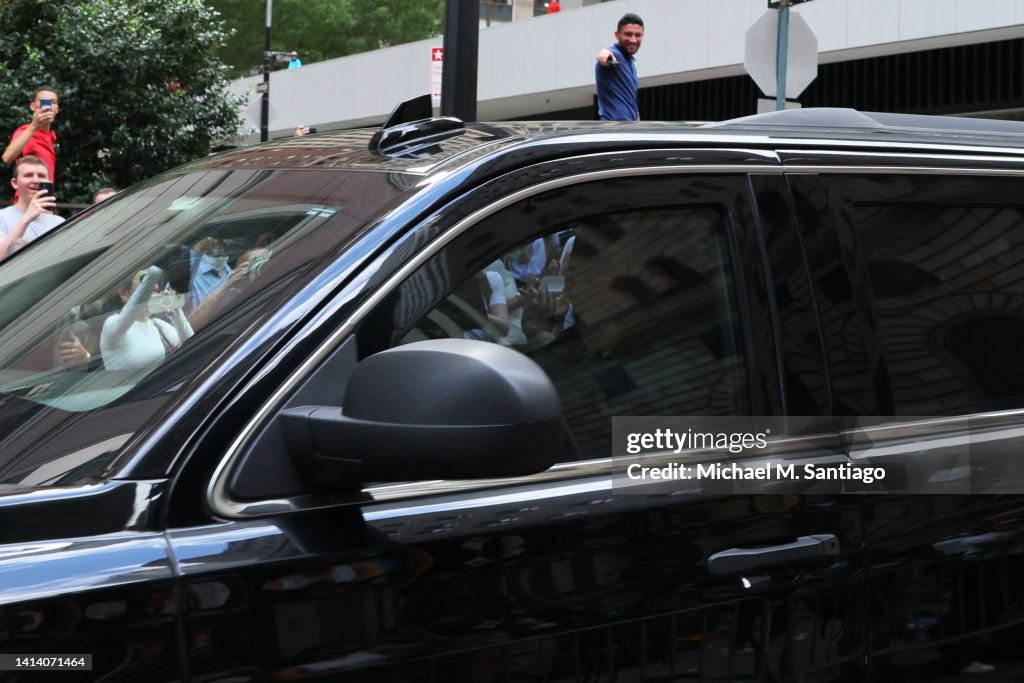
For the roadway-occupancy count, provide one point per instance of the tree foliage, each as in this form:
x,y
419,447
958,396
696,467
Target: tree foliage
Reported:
x,y
141,84
324,29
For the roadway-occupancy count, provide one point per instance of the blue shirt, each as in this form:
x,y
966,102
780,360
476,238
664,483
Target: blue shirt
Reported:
x,y
531,262
617,88
204,281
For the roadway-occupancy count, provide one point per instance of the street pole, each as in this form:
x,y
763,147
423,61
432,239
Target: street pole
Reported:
x,y
461,52
265,104
780,62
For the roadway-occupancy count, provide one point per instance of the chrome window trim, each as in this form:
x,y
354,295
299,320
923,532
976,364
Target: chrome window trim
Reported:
x,y
902,428
779,142
910,156
905,170
537,491
216,491
16,496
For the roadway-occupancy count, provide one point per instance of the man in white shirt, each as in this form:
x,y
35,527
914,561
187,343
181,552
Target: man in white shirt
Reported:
x,y
32,216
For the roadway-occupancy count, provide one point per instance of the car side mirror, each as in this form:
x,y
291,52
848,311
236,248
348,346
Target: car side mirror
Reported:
x,y
438,409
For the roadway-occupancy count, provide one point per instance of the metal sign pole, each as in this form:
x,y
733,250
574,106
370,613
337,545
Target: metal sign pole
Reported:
x,y
265,104
461,54
780,79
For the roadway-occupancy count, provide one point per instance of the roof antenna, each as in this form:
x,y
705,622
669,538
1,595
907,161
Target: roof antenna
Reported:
x,y
416,109
411,126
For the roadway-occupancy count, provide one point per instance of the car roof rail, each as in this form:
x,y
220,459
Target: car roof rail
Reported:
x,y
411,128
824,117
880,122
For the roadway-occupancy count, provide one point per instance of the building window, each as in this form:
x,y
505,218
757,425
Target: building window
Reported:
x,y
495,12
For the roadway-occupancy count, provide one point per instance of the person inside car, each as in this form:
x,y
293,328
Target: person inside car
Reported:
x,y
131,338
247,267
208,265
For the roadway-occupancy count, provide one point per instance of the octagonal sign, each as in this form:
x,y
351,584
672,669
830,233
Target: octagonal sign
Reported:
x,y
761,53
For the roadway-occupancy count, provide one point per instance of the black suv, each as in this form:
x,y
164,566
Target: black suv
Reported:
x,y
341,407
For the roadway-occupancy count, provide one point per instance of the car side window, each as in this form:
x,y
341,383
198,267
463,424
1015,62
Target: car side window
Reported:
x,y
943,258
632,312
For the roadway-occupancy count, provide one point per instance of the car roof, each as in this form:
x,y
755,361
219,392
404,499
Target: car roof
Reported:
x,y
426,146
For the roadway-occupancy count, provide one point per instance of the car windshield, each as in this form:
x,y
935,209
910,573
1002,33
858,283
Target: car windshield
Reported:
x,y
105,319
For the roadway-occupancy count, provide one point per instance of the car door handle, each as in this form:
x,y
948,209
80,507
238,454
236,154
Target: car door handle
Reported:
x,y
802,550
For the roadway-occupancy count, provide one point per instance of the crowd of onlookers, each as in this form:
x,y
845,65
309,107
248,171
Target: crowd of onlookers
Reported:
x,y
32,151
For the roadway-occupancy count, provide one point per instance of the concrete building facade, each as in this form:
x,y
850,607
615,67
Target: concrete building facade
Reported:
x,y
693,54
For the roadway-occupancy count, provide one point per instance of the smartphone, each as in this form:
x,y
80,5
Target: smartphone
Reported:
x,y
312,130
45,187
165,302
46,103
555,284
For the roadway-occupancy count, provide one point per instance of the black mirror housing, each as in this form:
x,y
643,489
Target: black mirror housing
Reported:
x,y
438,409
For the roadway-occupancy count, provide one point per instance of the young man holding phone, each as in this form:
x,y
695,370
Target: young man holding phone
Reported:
x,y
32,215
36,138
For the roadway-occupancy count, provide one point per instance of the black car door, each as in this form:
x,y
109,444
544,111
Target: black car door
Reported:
x,y
641,291
88,589
920,274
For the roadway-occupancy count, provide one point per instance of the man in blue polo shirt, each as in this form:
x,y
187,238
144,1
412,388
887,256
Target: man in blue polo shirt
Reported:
x,y
209,268
615,71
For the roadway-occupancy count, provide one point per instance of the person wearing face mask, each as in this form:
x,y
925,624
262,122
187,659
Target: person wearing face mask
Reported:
x,y
209,270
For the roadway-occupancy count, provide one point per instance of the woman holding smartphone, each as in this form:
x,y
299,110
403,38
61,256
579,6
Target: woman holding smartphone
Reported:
x,y
131,339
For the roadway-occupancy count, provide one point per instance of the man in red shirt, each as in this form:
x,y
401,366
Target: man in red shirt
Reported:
x,y
36,138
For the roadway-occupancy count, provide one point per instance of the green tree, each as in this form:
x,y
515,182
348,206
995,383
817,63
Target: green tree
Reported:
x,y
141,85
381,23
324,29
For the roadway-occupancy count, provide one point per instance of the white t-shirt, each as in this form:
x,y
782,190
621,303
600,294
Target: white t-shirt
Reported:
x,y
493,296
497,289
140,347
10,216
515,317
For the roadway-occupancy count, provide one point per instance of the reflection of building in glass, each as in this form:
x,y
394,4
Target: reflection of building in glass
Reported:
x,y
948,301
